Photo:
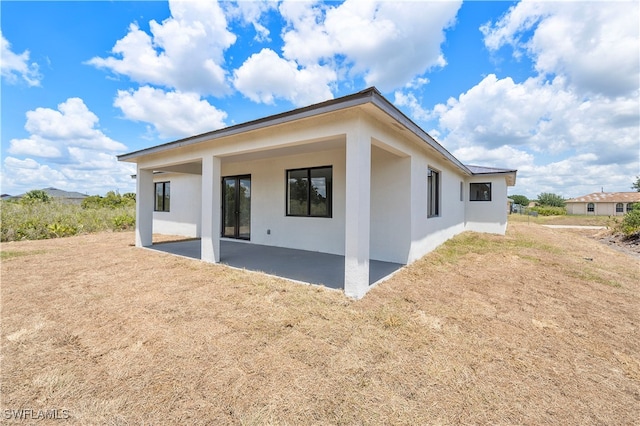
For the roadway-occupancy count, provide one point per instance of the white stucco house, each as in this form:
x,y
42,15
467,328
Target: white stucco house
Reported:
x,y
603,203
351,176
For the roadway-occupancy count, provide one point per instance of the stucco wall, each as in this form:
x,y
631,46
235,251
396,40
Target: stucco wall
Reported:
x,y
429,232
600,209
268,204
400,230
487,216
184,216
390,233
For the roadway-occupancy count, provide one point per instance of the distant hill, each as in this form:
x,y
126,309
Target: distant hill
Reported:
x,y
55,193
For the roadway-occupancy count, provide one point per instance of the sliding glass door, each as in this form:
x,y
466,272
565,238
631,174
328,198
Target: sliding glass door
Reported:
x,y
236,207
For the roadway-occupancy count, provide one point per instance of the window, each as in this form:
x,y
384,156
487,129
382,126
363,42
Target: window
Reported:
x,y
433,193
591,207
619,208
163,196
629,207
480,192
461,191
309,191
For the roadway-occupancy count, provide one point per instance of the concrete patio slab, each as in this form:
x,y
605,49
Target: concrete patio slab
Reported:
x,y
300,265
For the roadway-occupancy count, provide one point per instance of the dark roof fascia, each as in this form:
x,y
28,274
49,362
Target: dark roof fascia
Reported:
x,y
475,170
332,105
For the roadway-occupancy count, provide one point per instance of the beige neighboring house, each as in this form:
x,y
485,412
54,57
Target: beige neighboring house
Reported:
x,y
603,203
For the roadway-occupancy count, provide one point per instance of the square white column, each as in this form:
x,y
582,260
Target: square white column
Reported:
x,y
145,195
211,199
358,212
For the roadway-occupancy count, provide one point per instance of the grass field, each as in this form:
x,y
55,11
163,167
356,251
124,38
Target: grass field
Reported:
x,y
580,220
537,327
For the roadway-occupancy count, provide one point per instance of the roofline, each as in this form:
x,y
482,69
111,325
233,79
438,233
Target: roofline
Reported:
x,y
369,95
359,98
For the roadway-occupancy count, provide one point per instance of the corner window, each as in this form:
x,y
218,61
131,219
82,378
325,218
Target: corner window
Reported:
x,y
163,196
433,193
309,191
590,207
480,192
619,208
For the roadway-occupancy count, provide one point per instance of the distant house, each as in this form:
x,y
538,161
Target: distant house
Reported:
x,y
603,203
352,177
70,197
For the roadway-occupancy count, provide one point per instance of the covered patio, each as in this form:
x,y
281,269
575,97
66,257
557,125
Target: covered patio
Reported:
x,y
299,265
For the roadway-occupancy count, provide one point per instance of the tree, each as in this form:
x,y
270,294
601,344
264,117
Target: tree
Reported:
x,y
520,199
636,184
36,195
552,200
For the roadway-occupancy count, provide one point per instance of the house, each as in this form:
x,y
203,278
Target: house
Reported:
x,y
70,197
351,176
603,203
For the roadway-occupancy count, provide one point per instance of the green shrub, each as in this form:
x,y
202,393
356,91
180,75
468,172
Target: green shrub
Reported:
x,y
549,210
41,220
551,200
35,196
112,200
630,223
124,221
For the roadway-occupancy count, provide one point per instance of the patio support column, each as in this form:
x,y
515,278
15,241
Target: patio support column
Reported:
x,y
358,212
145,195
210,230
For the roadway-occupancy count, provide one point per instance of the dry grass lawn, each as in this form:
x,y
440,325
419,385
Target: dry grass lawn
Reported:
x,y
537,327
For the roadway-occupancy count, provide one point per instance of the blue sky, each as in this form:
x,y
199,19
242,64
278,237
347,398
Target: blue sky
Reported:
x,y
548,88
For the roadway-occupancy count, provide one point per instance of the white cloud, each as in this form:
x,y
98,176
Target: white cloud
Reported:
x,y
389,43
185,51
265,76
74,154
572,127
173,114
595,45
574,176
35,146
54,131
410,101
544,117
14,66
28,173
250,13
19,176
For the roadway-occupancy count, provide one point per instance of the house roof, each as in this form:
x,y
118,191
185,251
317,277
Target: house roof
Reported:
x,y
608,197
370,95
480,170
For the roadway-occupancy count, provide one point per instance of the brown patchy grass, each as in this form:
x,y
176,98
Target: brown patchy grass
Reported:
x,y
537,327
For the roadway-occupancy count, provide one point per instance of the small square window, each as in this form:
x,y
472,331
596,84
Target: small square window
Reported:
x,y
309,192
480,192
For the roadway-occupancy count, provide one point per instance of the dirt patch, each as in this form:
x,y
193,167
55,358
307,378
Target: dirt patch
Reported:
x,y
629,245
537,327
